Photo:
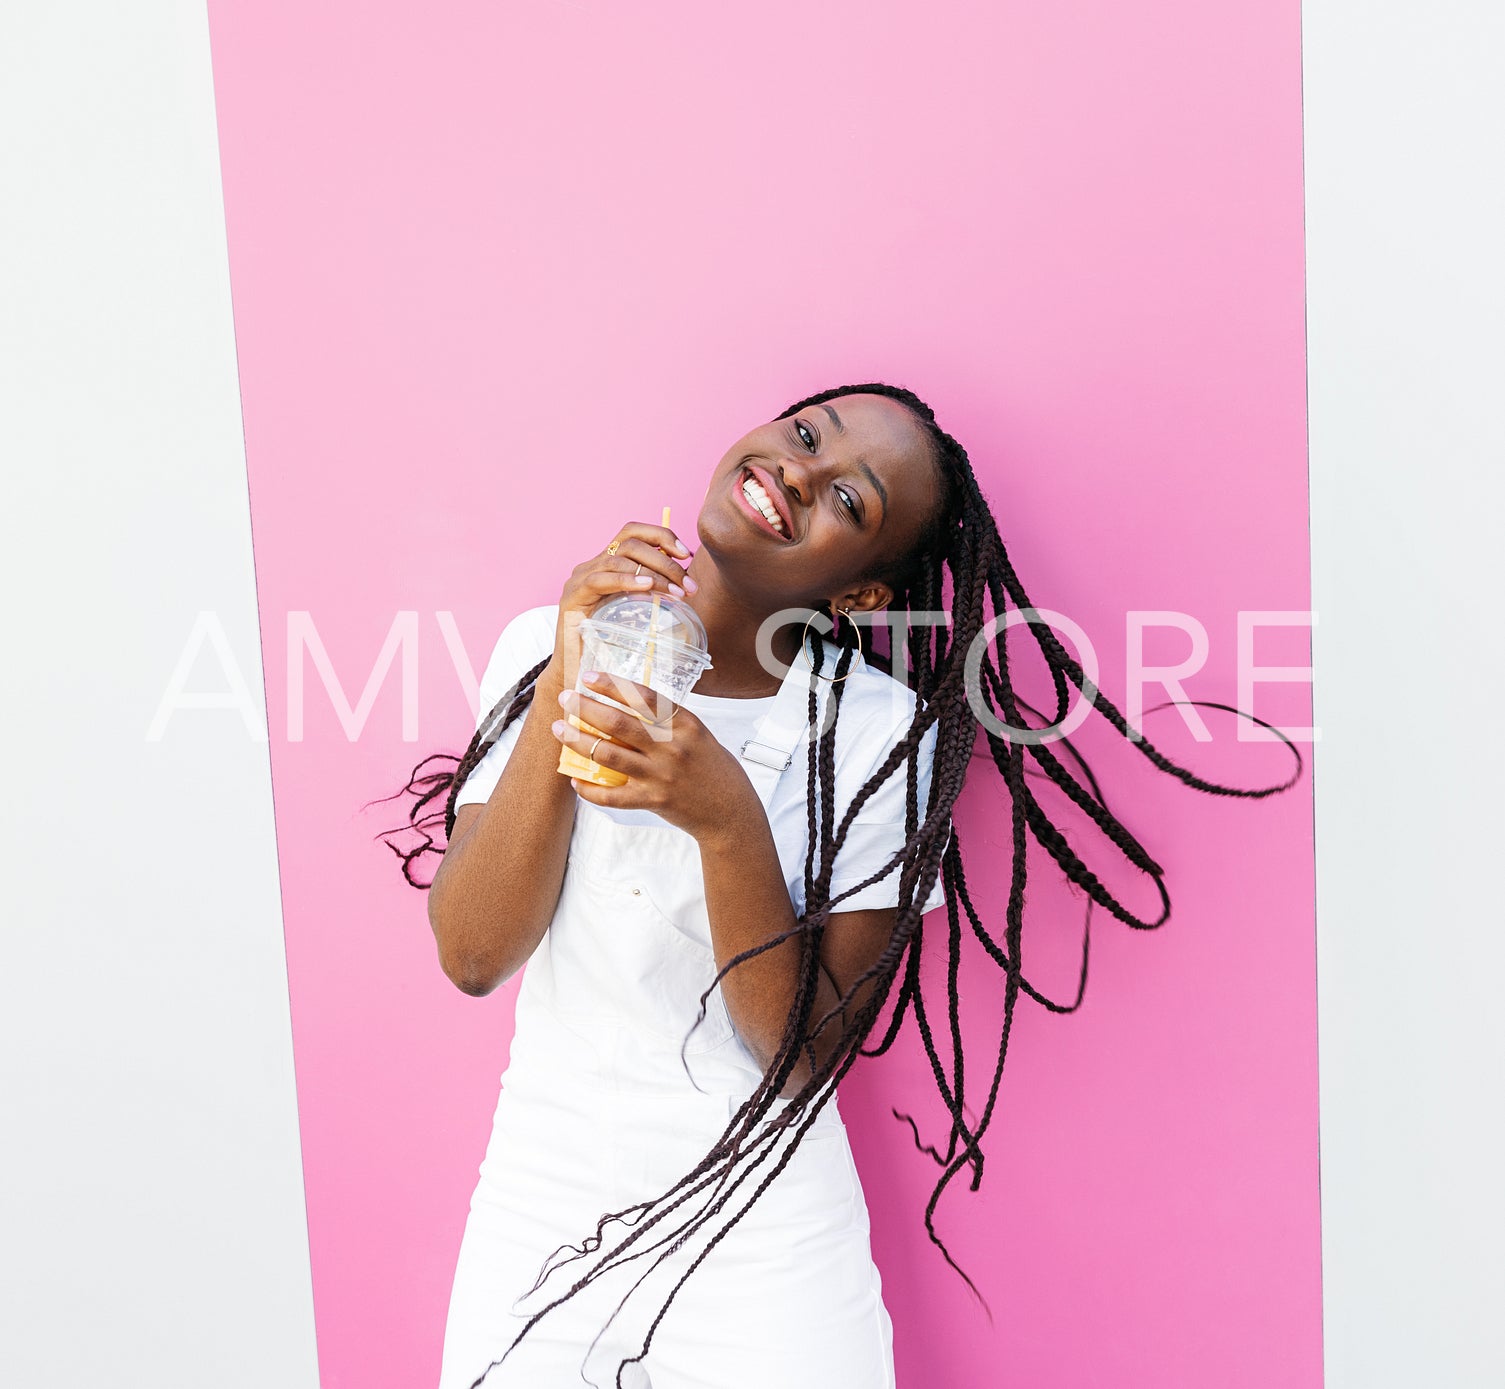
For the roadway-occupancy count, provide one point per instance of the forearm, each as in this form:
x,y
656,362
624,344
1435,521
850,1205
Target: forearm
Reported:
x,y
748,903
497,887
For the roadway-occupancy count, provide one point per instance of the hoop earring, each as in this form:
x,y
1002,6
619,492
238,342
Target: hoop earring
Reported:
x,y
810,666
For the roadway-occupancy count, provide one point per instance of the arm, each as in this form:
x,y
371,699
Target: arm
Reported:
x,y
498,884
748,903
680,771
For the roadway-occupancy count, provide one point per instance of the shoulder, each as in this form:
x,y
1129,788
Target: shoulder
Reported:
x,y
531,630
526,640
876,712
878,695
875,716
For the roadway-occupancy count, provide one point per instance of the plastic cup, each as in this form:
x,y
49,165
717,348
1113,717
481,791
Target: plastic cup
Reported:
x,y
578,765
659,643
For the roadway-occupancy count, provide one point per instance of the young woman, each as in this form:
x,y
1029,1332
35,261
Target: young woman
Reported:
x,y
709,946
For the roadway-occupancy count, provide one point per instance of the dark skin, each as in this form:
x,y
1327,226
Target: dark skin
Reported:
x,y
849,498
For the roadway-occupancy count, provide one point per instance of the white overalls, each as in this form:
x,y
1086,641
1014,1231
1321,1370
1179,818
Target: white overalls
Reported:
x,y
597,1113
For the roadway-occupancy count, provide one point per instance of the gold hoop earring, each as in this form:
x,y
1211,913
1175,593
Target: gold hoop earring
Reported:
x,y
810,665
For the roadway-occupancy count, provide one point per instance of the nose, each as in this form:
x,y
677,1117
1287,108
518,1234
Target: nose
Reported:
x,y
798,476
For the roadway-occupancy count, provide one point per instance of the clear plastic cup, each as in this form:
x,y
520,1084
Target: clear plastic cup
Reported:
x,y
661,644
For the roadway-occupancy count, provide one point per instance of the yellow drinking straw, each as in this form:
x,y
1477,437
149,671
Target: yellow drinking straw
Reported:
x,y
653,621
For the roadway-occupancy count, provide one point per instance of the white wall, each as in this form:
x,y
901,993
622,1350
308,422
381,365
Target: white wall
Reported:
x,y
151,1207
1406,322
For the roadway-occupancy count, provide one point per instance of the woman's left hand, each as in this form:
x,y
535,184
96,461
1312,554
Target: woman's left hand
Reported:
x,y
674,766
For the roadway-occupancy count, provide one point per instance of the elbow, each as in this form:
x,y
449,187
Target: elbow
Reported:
x,y
472,975
473,983
768,1057
478,949
464,968
799,1078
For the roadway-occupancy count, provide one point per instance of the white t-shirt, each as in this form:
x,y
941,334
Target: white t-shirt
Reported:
x,y
875,713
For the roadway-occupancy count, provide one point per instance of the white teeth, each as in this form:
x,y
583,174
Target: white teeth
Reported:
x,y
754,492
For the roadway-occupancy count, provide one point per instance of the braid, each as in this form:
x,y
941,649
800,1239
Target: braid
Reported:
x,y
960,542
512,705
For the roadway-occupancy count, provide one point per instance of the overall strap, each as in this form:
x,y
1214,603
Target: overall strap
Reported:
x,y
767,755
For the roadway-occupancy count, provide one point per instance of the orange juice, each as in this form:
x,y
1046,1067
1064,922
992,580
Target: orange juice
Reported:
x,y
578,765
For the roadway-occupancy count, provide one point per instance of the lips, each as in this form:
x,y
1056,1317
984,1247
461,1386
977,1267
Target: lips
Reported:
x,y
776,497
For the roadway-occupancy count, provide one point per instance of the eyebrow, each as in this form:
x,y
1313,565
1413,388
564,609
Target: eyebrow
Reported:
x,y
878,487
867,472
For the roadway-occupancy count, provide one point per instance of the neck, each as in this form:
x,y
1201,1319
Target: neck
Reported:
x,y
731,624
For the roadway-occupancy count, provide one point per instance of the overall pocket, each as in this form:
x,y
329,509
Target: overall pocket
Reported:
x,y
617,957
688,969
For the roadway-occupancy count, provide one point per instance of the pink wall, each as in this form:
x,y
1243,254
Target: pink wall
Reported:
x,y
506,274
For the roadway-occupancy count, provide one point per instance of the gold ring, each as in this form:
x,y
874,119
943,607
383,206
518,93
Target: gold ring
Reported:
x,y
638,570
591,756
613,547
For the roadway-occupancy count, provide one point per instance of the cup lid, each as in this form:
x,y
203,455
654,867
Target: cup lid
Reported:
x,y
635,616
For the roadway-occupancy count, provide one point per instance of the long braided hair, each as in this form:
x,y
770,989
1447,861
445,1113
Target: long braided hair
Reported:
x,y
960,549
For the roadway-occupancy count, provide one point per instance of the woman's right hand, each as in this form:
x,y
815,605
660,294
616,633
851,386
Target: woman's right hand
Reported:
x,y
654,549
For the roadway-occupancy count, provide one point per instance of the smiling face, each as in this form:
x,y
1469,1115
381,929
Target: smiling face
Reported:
x,y
806,508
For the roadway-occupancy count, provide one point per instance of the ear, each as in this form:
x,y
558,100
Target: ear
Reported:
x,y
869,598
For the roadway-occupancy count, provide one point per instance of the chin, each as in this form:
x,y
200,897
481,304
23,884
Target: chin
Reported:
x,y
720,527
747,567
